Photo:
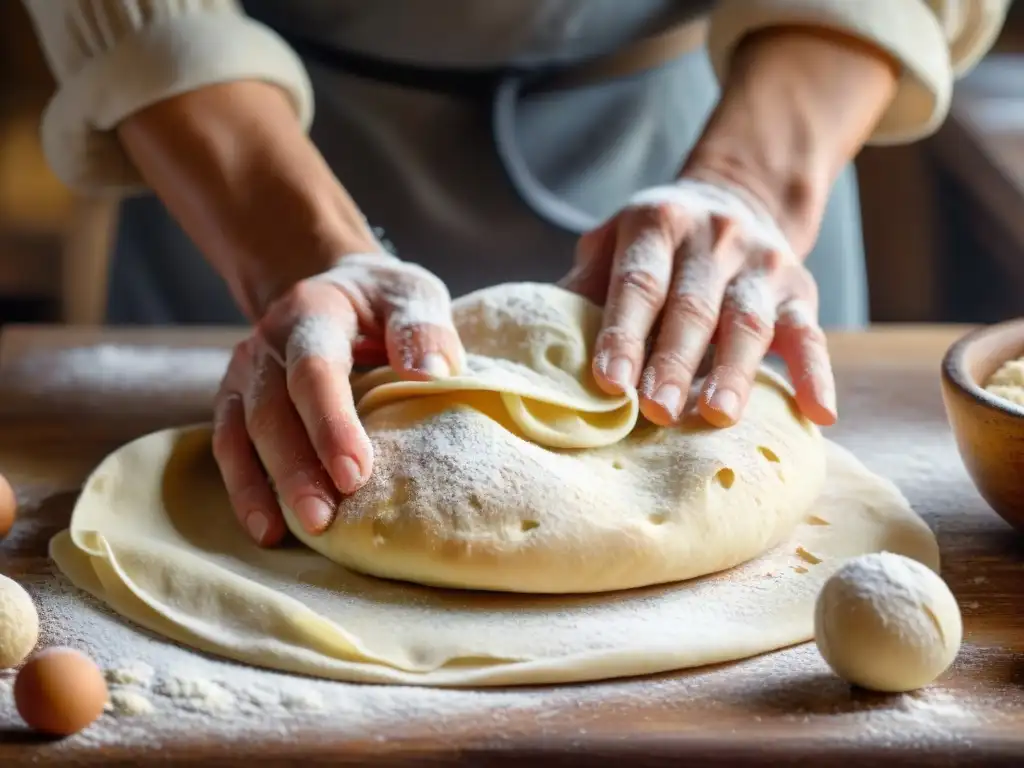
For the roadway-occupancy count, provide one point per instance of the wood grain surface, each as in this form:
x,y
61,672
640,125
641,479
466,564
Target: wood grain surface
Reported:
x,y
780,709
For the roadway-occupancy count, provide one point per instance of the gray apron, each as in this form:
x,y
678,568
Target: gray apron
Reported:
x,y
432,118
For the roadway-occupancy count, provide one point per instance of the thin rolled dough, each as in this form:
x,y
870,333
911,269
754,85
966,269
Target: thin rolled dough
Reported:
x,y
141,541
521,475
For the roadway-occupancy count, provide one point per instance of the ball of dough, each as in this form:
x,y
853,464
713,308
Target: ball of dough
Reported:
x,y
522,476
887,623
60,691
8,506
19,624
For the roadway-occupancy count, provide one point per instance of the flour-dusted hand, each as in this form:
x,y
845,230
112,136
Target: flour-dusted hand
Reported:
x,y
694,263
285,423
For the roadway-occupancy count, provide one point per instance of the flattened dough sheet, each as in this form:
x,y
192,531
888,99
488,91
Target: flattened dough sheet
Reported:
x,y
143,540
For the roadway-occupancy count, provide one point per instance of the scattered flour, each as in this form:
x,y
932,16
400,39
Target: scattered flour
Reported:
x,y
133,673
195,694
791,690
128,703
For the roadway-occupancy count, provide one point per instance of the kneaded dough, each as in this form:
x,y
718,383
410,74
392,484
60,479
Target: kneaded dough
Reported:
x,y
19,623
521,475
141,541
887,623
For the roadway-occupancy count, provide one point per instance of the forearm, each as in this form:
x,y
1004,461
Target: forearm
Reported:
x,y
796,108
234,167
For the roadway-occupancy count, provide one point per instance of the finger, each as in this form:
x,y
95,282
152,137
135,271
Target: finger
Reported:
x,y
706,262
284,448
591,271
420,335
745,332
252,499
640,275
319,361
802,345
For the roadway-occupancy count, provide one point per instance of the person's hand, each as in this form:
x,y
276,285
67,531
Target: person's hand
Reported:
x,y
285,424
717,257
695,263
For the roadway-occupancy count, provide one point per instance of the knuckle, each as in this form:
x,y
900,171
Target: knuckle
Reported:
x,y
671,364
773,261
664,216
814,335
262,419
696,310
617,337
308,370
753,323
643,285
805,286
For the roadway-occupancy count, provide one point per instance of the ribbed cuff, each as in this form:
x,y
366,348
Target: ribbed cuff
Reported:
x,y
906,29
159,61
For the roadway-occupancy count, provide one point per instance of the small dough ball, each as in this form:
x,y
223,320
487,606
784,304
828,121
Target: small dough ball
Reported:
x,y
60,691
887,623
19,624
8,506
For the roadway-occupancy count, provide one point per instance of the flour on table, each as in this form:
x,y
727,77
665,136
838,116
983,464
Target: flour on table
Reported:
x,y
792,686
128,703
195,693
132,673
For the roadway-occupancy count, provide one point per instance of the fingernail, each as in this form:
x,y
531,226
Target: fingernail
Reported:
x,y
314,514
669,397
257,525
347,474
725,401
620,371
436,365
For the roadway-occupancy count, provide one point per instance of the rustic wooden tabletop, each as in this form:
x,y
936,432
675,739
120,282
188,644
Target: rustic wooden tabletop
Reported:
x,y
70,396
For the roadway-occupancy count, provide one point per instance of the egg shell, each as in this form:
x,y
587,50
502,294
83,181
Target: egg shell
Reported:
x,y
60,691
8,506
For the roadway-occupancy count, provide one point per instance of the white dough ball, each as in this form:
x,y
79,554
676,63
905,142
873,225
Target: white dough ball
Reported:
x,y
887,623
19,624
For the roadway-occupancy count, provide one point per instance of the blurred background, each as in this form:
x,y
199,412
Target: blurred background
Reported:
x,y
943,219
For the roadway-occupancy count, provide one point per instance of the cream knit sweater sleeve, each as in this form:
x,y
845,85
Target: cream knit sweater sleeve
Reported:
x,y
936,41
111,58
114,57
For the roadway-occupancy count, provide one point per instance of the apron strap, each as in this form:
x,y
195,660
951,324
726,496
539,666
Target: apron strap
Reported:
x,y
644,54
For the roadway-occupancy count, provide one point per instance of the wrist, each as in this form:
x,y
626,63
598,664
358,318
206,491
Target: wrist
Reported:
x,y
234,167
796,107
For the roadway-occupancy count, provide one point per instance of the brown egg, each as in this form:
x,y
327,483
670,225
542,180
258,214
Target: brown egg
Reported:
x,y
60,691
8,506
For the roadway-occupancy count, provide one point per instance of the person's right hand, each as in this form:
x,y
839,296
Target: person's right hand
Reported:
x,y
285,425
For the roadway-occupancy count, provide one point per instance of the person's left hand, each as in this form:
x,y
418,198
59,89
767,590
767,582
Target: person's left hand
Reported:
x,y
691,264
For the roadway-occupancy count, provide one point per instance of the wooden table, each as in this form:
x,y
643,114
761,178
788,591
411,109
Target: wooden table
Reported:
x,y
781,709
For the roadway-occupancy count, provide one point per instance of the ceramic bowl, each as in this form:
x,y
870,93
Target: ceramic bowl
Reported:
x,y
989,431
